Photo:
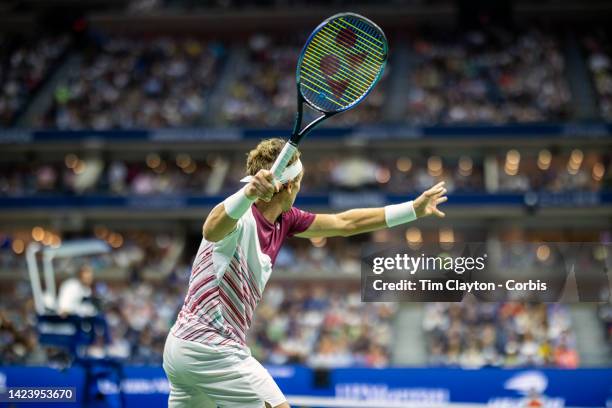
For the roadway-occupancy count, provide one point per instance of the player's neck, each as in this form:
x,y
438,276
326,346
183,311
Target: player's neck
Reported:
x,y
270,210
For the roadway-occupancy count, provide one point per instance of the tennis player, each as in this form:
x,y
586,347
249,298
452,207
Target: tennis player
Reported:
x,y
206,357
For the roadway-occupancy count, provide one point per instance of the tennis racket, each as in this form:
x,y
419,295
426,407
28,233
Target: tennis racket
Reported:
x,y
340,64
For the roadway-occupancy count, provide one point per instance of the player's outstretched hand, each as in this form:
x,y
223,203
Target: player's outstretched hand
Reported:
x,y
262,186
427,203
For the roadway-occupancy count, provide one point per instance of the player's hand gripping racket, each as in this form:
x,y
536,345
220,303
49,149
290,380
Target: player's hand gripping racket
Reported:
x,y
341,62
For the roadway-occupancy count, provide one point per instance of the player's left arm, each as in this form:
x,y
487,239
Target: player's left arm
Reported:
x,y
360,220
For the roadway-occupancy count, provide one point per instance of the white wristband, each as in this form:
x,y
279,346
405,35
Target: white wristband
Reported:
x,y
237,204
399,214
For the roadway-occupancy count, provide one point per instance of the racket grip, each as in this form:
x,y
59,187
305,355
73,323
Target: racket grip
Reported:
x,y
283,158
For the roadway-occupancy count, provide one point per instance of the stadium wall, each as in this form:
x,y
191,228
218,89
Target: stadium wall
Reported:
x,y
148,386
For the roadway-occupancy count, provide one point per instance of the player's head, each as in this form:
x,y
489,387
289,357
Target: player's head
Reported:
x,y
263,157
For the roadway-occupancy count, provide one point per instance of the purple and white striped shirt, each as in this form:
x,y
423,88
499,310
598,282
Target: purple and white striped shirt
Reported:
x,y
229,276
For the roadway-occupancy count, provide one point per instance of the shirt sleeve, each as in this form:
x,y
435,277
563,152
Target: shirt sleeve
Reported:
x,y
298,220
227,245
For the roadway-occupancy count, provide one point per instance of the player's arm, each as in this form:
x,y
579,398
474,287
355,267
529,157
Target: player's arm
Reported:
x,y
362,220
223,218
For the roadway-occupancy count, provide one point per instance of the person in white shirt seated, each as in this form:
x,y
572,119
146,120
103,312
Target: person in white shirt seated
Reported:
x,y
75,294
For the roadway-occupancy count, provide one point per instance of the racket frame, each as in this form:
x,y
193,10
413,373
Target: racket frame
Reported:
x,y
297,135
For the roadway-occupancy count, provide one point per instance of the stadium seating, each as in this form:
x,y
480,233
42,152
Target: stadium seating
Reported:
x,y
25,63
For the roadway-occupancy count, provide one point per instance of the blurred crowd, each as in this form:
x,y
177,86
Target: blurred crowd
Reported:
x,y
24,65
136,254
92,175
599,53
604,312
263,92
136,83
547,171
133,254
452,77
322,327
141,283
317,325
472,334
139,316
143,254
493,76
18,340
166,174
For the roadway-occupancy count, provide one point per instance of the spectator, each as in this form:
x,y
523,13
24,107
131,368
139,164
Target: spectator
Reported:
x,y
75,294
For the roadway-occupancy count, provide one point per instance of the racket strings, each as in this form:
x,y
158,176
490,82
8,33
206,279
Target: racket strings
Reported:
x,y
340,32
354,78
366,63
375,37
365,45
318,92
329,36
338,70
367,71
322,81
318,81
364,79
341,63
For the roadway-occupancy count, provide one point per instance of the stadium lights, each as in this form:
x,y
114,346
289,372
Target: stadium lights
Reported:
x,y
513,160
71,160
466,166
183,160
115,240
434,166
543,252
18,246
38,233
381,236
414,237
161,167
318,242
575,161
544,159
192,167
404,164
153,160
598,171
383,175
446,237
47,238
80,167
56,241
101,232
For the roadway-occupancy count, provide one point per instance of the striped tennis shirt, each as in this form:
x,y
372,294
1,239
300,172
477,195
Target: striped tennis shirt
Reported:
x,y
229,276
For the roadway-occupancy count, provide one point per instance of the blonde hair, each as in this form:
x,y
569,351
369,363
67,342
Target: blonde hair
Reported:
x,y
264,155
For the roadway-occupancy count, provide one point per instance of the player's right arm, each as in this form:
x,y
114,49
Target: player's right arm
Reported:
x,y
223,218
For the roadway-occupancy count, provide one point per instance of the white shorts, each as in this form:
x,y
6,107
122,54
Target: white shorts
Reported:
x,y
209,377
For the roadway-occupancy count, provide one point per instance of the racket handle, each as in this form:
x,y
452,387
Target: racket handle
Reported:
x,y
283,158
